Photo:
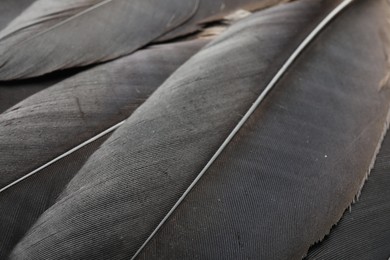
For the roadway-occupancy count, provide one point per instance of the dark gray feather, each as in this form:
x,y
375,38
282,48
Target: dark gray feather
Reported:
x,y
282,182
297,164
364,231
52,35
55,35
49,123
22,205
53,121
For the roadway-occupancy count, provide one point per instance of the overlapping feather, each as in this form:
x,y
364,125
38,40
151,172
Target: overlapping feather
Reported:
x,y
276,188
50,123
281,183
300,159
76,33
54,35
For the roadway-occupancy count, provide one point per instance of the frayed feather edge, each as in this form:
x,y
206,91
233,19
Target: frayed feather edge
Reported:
x,y
367,175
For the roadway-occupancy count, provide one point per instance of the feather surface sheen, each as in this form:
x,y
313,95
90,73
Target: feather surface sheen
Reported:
x,y
80,32
59,34
55,120
155,189
301,158
51,122
281,183
364,231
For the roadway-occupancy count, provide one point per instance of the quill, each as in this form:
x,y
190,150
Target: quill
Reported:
x,y
282,182
54,35
46,138
272,190
23,203
14,92
63,116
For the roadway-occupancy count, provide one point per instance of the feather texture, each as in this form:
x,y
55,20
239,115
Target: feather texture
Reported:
x,y
215,10
64,115
53,121
9,9
13,92
21,205
301,158
81,32
364,231
279,185
252,149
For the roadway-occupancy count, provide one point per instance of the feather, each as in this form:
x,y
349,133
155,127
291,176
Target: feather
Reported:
x,y
9,9
299,160
76,33
216,10
13,92
269,192
364,231
50,122
54,35
53,121
22,205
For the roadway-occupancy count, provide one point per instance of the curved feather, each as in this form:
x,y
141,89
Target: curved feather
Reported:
x,y
364,230
21,205
53,35
300,159
12,93
272,191
53,121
